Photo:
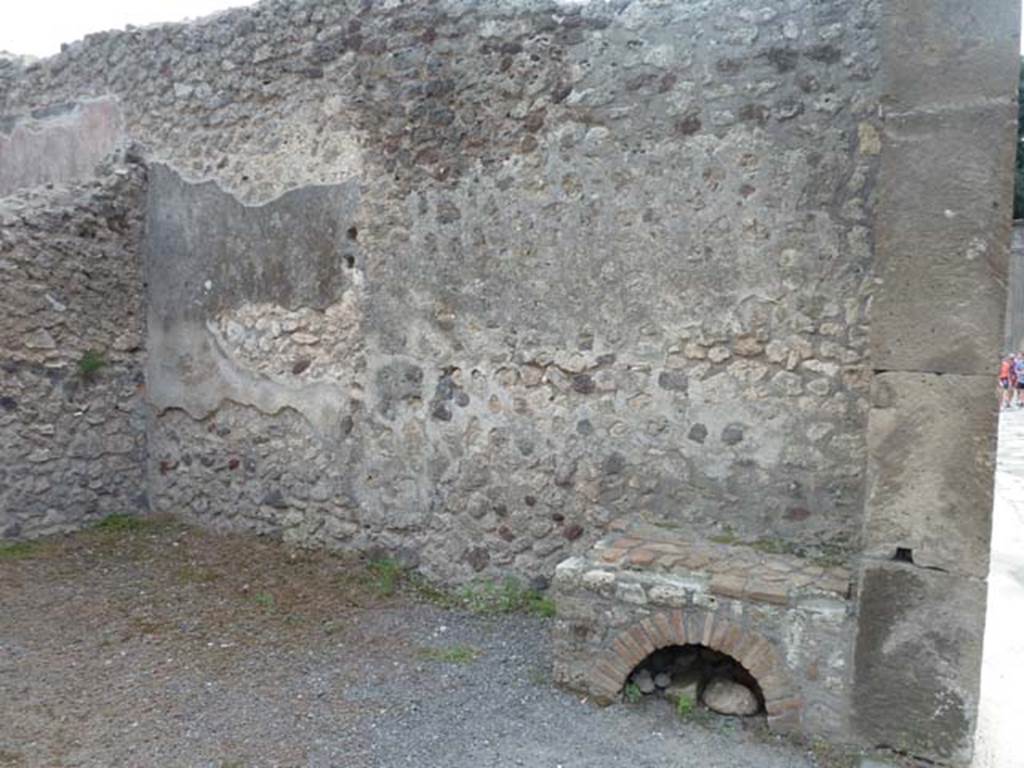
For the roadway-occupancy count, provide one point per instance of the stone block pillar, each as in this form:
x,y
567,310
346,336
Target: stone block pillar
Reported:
x,y
1014,340
942,238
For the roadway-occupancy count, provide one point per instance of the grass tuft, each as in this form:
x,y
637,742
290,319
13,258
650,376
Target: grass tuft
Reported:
x,y
685,706
121,524
456,654
632,693
386,576
91,363
19,550
508,596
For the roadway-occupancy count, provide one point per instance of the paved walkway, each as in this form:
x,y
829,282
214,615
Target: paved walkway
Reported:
x,y
1002,685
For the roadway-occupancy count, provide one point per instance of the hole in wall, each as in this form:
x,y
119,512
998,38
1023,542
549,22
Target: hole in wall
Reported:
x,y
695,677
903,555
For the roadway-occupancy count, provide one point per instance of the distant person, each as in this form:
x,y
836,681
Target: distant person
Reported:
x,y
1007,383
1018,378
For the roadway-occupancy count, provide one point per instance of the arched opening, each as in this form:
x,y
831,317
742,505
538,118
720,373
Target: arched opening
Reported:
x,y
692,676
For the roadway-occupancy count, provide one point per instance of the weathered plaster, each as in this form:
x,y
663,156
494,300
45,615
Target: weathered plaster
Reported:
x,y
57,144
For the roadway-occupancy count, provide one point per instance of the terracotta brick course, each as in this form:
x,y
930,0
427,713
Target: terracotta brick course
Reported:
x,y
733,637
766,591
727,596
625,647
695,626
785,723
709,626
642,639
777,707
729,585
736,571
641,557
678,621
666,630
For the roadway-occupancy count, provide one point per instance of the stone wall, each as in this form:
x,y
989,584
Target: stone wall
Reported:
x,y
1013,340
688,344
57,144
466,282
72,423
942,236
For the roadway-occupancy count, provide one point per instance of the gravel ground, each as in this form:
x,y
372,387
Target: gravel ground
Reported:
x,y
168,646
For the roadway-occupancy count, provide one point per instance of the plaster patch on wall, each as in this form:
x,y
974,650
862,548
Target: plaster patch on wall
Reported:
x,y
58,145
189,369
225,279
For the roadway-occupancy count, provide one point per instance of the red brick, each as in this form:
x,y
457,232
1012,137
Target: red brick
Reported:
x,y
728,585
653,633
838,585
765,592
628,650
695,627
707,629
678,621
610,674
662,547
718,633
782,706
788,722
621,648
760,659
666,631
625,542
744,649
774,686
643,641
732,639
641,557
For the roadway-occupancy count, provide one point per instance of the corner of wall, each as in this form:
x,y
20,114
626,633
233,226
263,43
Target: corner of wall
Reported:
x,y
942,235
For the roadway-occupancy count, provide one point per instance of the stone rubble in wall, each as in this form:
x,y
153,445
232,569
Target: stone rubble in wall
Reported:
x,y
251,63
295,345
72,439
639,129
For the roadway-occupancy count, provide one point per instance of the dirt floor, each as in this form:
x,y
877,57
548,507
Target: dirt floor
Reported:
x,y
161,645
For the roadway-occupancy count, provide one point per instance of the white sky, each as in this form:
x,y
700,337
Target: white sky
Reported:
x,y
38,27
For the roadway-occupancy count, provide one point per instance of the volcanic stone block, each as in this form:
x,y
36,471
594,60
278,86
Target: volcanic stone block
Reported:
x,y
942,240
938,51
931,443
918,661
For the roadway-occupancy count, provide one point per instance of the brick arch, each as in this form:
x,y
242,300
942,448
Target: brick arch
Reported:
x,y
698,627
